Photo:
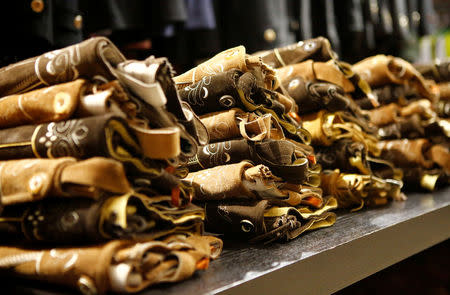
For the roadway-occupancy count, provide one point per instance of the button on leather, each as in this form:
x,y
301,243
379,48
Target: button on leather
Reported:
x,y
69,220
86,285
36,183
37,6
246,226
270,35
61,102
227,101
78,22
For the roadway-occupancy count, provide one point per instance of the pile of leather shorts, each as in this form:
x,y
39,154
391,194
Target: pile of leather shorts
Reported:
x,y
91,196
345,141
412,118
258,178
115,174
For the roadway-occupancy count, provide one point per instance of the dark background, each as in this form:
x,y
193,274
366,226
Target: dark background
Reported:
x,y
189,31
426,273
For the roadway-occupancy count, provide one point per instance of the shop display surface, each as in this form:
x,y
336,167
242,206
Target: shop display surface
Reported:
x,y
320,262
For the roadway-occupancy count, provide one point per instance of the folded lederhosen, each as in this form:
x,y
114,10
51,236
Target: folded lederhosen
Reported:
x,y
348,155
233,58
259,221
75,99
439,72
279,155
410,127
412,121
236,123
356,190
220,92
390,93
352,157
314,96
425,165
90,198
234,79
116,266
43,105
444,90
405,114
158,102
430,120
99,61
318,85
234,88
81,98
244,181
241,180
76,220
416,152
387,114
381,70
93,59
326,128
98,104
28,180
318,49
316,71
106,135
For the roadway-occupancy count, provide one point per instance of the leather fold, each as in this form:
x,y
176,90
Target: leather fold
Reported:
x,y
317,49
382,69
278,155
356,190
93,59
29,180
233,58
116,266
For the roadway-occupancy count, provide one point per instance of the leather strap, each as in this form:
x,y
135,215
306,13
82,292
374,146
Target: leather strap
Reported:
x,y
105,174
162,143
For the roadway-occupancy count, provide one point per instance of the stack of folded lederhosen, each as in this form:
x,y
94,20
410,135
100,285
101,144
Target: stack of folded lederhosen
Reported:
x,y
343,138
440,74
411,118
257,179
91,195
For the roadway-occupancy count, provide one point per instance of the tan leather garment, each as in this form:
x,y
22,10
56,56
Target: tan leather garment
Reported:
x,y
444,90
318,49
384,115
236,123
233,58
316,71
233,181
355,190
60,102
440,155
327,128
94,59
54,103
406,152
34,179
117,266
381,69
